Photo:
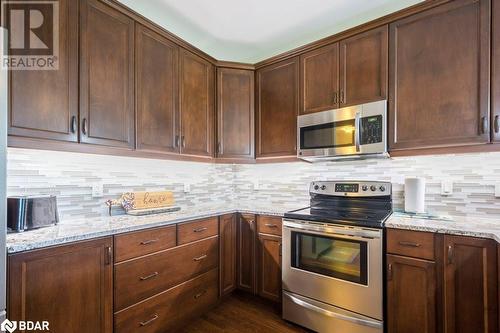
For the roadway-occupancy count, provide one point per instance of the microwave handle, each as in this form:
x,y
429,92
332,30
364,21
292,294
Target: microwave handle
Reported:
x,y
357,132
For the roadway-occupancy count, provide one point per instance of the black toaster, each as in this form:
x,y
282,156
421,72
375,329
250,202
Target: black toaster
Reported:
x,y
31,212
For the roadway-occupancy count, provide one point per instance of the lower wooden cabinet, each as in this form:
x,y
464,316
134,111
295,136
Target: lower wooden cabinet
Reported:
x,y
269,266
246,252
227,263
69,286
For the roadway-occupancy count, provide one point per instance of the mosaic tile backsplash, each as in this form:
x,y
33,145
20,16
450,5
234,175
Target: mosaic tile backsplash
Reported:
x,y
70,176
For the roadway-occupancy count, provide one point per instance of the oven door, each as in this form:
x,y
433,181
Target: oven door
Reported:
x,y
334,264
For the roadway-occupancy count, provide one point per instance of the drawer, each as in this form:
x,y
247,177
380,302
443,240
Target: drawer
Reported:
x,y
144,277
193,231
415,244
139,243
162,312
269,225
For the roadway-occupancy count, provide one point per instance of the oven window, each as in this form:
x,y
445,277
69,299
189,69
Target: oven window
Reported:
x,y
335,257
331,135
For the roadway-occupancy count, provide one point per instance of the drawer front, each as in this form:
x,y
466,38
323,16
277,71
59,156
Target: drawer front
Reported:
x,y
144,277
196,230
163,311
415,244
140,243
269,225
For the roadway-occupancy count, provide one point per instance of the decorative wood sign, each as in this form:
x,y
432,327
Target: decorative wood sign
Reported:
x,y
144,200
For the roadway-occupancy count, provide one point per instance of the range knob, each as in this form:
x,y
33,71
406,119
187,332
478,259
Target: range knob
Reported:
x,y
373,188
382,188
323,187
316,187
364,188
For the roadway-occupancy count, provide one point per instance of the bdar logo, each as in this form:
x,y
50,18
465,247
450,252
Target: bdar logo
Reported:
x,y
8,326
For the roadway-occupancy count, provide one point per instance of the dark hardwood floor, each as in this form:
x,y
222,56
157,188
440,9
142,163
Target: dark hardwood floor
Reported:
x,y
241,312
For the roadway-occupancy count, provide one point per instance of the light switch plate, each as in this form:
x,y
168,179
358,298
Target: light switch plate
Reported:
x,y
446,188
97,190
187,187
497,190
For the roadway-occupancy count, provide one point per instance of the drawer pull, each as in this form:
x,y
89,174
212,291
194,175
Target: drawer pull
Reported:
x,y
409,244
269,225
200,229
200,294
150,276
147,322
200,258
151,241
450,254
389,272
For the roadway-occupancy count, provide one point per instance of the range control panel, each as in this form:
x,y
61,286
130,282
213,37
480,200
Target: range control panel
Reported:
x,y
371,130
351,188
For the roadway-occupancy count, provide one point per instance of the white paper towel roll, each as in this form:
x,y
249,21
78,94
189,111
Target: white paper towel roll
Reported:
x,y
415,195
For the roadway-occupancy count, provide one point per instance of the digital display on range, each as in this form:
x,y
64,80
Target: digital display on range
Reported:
x,y
352,188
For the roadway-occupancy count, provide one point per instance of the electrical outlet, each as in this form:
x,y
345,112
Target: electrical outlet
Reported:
x,y
256,185
187,187
497,190
97,190
446,188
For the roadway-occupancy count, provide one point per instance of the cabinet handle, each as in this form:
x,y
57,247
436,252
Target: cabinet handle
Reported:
x,y
281,249
219,148
199,229
183,142
148,242
269,225
497,124
450,254
109,255
203,292
73,124
176,143
150,276
84,126
409,244
342,101
484,121
335,99
147,322
200,258
389,272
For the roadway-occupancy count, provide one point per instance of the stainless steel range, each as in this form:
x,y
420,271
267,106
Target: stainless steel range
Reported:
x,y
333,257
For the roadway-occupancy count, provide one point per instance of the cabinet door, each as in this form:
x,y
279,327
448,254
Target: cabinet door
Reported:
x,y
44,103
246,252
156,92
411,295
227,262
269,267
439,77
471,299
363,67
196,105
106,75
70,286
319,79
277,109
235,113
495,71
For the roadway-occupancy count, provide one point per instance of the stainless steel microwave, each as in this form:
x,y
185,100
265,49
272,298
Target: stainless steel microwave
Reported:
x,y
351,132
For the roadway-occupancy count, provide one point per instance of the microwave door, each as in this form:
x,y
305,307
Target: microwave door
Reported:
x,y
333,138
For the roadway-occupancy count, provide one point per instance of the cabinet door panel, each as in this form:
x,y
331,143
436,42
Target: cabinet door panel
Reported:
x,y
471,298
69,286
196,105
156,92
411,295
495,71
363,67
277,109
44,103
227,262
106,76
235,113
439,69
246,252
269,267
319,77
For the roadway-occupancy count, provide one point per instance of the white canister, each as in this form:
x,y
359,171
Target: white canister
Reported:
x,y
415,195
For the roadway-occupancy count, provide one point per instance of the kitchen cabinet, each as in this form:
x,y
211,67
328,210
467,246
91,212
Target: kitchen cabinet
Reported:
x,y
411,295
269,266
470,285
439,77
70,286
277,102
156,92
350,72
235,113
246,253
197,81
495,71
106,76
227,263
44,103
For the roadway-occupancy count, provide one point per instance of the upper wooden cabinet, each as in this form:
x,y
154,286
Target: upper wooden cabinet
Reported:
x,y
352,71
277,98
235,113
156,92
70,286
106,75
44,103
439,77
495,72
197,80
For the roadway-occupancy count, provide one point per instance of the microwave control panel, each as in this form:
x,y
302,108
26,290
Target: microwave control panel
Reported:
x,y
371,130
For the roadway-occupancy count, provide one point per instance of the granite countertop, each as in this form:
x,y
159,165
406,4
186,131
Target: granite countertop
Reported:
x,y
72,230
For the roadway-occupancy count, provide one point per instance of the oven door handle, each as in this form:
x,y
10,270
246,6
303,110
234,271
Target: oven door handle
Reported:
x,y
357,133
361,234
336,315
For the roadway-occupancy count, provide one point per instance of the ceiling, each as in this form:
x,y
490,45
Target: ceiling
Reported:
x,y
253,30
